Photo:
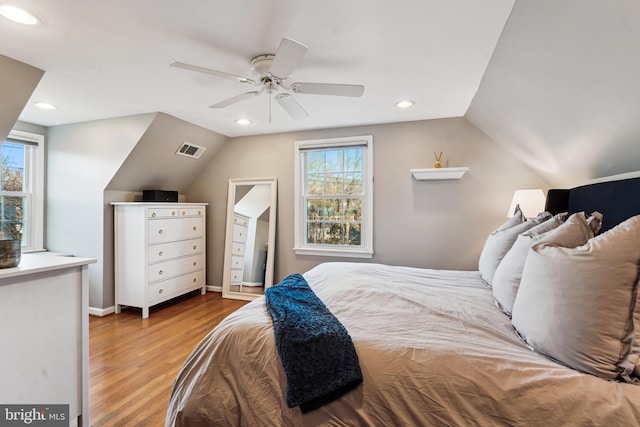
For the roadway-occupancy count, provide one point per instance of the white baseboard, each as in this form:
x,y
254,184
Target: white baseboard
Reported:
x,y
100,312
94,311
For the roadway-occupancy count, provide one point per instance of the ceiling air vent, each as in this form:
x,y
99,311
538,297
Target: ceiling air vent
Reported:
x,y
190,150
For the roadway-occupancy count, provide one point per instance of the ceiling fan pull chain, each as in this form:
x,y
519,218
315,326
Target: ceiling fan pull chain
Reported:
x,y
269,104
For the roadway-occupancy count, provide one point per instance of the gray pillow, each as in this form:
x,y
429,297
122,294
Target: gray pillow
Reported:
x,y
501,239
506,278
576,305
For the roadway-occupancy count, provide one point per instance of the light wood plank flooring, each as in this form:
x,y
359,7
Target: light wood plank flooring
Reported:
x,y
133,361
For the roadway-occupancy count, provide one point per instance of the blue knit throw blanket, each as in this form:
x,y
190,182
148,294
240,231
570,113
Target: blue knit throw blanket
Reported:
x,y
317,354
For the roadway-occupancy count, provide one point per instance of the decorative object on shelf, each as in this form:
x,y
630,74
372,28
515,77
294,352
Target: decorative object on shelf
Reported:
x,y
10,252
438,174
11,243
531,202
438,165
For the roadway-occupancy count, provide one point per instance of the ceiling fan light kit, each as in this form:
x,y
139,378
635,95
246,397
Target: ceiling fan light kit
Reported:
x,y
272,72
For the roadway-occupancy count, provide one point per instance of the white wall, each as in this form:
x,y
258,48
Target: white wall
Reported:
x,y
422,224
82,158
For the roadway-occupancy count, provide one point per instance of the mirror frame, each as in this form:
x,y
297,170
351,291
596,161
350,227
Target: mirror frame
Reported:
x,y
271,245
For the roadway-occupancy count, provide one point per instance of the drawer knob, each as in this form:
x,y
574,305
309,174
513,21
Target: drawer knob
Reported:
x,y
194,247
159,231
159,291
194,263
195,280
195,228
199,212
160,272
184,213
153,215
173,213
160,253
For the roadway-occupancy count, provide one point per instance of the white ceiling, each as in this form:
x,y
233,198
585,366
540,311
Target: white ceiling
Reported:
x,y
107,59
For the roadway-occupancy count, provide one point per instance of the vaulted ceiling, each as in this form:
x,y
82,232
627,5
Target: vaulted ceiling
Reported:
x,y
107,59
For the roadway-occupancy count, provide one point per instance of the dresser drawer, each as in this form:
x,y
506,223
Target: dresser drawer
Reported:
x,y
237,262
237,249
239,233
164,251
240,221
195,211
167,230
236,277
163,213
167,289
175,267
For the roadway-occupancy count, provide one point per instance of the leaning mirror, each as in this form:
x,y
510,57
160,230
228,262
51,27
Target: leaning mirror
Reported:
x,y
250,238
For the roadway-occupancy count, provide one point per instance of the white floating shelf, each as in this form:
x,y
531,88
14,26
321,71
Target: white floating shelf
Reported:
x,y
438,174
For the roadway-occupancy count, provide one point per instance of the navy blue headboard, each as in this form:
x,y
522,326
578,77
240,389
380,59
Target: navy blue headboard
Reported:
x,y
615,200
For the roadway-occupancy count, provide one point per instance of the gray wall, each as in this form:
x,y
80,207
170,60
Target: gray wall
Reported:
x,y
422,224
17,82
153,164
561,90
95,163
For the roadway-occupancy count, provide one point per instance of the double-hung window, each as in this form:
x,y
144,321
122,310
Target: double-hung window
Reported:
x,y
334,197
22,189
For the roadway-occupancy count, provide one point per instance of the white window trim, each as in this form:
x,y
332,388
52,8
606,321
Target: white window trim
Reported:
x,y
366,250
36,213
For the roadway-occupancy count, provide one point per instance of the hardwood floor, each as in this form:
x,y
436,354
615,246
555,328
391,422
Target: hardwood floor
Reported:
x,y
133,361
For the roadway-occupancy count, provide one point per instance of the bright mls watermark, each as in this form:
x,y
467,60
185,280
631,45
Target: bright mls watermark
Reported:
x,y
34,415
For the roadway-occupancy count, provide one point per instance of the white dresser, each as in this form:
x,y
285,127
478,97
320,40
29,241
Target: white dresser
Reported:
x,y
159,252
240,227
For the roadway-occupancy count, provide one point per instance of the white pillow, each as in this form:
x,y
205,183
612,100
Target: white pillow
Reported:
x,y
506,278
501,239
577,305
576,231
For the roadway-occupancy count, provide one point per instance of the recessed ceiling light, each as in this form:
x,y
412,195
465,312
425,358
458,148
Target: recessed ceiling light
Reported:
x,y
243,122
18,15
405,103
45,106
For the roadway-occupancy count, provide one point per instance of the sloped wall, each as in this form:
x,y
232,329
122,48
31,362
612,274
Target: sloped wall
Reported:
x,y
82,158
153,164
94,163
17,82
562,89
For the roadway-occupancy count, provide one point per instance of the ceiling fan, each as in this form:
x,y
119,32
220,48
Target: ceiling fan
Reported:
x,y
272,72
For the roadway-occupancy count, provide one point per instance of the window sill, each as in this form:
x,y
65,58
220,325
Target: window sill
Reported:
x,y
345,253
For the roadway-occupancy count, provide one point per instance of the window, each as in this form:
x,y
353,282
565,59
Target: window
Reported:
x,y
21,189
334,197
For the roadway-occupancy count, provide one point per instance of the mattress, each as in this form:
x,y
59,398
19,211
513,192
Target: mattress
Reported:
x,y
433,348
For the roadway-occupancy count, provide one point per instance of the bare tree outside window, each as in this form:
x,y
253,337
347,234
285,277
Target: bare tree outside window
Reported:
x,y
334,192
11,193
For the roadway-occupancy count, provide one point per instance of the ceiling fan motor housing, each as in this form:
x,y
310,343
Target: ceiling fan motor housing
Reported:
x,y
260,65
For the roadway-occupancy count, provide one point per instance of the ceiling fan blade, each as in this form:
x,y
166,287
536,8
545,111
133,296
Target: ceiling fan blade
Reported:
x,y
328,89
287,58
291,106
235,99
211,72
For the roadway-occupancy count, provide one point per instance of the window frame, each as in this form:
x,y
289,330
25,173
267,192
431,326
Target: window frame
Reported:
x,y
35,165
365,250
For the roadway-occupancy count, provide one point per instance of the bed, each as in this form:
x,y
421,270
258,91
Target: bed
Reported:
x,y
436,347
